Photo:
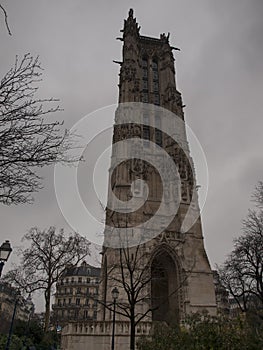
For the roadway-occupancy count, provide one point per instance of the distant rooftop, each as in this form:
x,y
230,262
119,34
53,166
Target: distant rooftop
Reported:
x,y
83,270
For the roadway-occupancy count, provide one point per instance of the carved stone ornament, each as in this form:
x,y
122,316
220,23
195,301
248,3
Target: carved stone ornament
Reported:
x,y
128,73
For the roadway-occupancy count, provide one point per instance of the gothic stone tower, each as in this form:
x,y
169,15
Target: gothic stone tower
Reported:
x,y
170,259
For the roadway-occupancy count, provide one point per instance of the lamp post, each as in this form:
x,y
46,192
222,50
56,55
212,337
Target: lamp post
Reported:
x,y
7,347
30,308
115,294
5,251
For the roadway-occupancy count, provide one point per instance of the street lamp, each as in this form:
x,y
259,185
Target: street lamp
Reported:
x,y
30,309
115,294
5,251
17,299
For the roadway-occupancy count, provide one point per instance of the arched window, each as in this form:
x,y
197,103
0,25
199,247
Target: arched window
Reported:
x,y
155,64
144,62
146,129
145,87
155,75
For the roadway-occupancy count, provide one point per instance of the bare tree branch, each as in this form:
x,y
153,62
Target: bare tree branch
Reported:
x,y
6,19
242,272
29,140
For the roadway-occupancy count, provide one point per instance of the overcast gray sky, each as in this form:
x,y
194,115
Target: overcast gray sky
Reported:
x,y
219,73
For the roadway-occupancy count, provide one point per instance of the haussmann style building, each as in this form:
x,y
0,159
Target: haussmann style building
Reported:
x,y
76,294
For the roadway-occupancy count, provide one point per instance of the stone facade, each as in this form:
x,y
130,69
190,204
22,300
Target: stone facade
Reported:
x,y
97,335
167,274
182,280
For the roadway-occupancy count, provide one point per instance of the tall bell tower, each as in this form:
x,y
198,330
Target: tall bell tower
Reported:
x,y
153,200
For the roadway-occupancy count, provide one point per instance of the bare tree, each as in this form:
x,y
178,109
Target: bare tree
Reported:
x,y
132,274
257,196
28,138
43,263
242,272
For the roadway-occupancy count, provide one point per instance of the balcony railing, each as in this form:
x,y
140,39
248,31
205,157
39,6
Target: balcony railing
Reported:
x,y
61,283
82,293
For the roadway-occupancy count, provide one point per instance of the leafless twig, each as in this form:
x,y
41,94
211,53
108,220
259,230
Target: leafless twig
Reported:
x,y
6,19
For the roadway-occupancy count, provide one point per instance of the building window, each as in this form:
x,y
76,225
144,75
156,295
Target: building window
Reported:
x,y
158,137
156,99
78,301
146,119
80,280
86,314
78,290
87,291
145,74
64,302
87,302
155,86
146,129
155,76
69,301
145,85
157,121
146,132
144,63
155,65
88,280
145,97
66,280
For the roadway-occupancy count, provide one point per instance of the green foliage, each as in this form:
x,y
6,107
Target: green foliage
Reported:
x,y
32,334
16,342
203,332
50,340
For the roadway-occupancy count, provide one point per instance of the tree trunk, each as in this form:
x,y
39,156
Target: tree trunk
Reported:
x,y
132,331
47,309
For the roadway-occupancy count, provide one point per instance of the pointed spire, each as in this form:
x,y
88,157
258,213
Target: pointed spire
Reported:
x,y
130,25
131,13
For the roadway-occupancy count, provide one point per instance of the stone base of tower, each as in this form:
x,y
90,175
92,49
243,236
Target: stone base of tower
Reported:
x,y
98,335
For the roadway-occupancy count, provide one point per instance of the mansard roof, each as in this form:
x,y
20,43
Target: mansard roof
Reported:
x,y
83,270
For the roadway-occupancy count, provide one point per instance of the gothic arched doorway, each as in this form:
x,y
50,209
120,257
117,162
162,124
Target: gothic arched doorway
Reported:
x,y
164,288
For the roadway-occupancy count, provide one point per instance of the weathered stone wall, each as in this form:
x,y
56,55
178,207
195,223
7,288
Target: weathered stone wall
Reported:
x,y
98,335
